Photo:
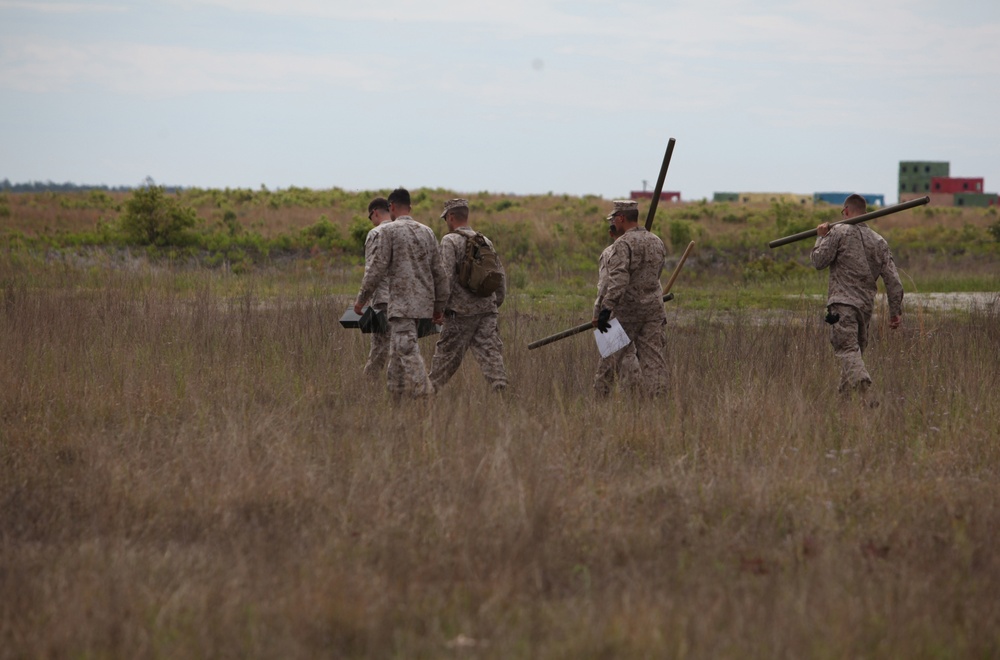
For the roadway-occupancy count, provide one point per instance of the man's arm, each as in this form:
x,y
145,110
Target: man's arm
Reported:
x,y
893,288
618,275
602,282
825,250
376,266
441,283
448,261
501,292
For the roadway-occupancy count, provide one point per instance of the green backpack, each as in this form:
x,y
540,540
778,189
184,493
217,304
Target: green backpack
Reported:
x,y
480,272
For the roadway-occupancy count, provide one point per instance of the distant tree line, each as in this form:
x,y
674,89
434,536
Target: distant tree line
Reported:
x,y
52,186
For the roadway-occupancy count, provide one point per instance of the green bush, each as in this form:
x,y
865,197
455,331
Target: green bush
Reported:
x,y
150,217
994,229
680,232
358,231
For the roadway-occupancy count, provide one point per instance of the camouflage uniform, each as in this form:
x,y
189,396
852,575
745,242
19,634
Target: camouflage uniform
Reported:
x,y
635,297
407,256
856,257
623,361
470,320
378,356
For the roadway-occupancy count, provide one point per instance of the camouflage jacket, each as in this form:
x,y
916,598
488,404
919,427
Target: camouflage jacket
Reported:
x,y
381,295
602,278
857,257
634,292
406,254
460,300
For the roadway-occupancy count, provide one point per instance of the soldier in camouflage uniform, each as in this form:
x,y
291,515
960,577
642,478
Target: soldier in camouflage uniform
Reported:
x,y
408,257
623,361
856,257
634,294
378,212
470,320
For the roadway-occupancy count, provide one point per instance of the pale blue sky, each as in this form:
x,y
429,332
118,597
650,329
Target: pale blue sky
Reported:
x,y
520,96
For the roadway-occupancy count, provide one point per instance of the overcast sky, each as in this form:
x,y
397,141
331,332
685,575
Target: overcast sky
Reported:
x,y
519,96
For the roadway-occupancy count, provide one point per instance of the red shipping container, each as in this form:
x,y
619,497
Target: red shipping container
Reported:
x,y
954,184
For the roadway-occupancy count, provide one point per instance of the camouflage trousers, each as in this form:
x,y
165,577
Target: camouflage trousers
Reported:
x,y
406,375
477,332
849,336
650,341
378,356
622,363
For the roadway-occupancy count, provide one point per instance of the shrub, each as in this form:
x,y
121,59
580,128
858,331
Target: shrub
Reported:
x,y
680,233
358,230
152,218
994,229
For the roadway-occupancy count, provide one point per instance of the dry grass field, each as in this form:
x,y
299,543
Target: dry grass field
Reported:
x,y
191,465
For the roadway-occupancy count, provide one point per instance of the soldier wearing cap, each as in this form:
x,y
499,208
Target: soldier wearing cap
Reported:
x,y
408,258
634,294
378,356
470,320
622,362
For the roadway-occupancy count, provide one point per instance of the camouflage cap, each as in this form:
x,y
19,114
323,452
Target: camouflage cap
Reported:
x,y
623,205
452,204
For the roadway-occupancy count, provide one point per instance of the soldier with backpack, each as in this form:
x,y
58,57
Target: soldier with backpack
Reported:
x,y
477,286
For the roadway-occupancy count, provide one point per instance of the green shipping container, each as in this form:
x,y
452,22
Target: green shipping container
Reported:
x,y
978,200
923,168
725,197
915,184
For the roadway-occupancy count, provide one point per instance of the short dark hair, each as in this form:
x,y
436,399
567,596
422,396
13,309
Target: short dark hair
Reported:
x,y
857,203
462,213
630,215
400,196
379,203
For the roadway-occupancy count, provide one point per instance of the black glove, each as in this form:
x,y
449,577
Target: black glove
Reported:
x,y
603,320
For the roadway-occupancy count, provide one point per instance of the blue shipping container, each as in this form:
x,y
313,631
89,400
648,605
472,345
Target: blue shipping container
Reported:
x,y
838,198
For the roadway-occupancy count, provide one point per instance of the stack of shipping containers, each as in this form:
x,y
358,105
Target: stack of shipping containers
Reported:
x,y
919,178
916,177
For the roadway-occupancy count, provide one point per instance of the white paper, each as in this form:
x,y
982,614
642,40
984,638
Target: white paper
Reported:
x,y
613,340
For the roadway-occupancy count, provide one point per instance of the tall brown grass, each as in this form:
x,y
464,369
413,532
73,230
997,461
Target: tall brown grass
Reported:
x,y
191,473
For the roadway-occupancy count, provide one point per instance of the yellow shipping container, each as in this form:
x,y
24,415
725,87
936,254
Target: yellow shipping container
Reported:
x,y
767,198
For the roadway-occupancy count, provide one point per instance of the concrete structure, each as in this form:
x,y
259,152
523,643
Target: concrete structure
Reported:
x,y
937,199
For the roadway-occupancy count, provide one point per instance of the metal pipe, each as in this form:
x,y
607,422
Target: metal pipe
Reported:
x,y
659,183
852,221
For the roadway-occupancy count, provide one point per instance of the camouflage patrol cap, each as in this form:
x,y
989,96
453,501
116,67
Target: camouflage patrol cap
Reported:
x,y
452,204
622,205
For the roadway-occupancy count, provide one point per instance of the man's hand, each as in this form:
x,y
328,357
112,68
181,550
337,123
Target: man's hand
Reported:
x,y
603,320
896,321
358,308
438,318
823,229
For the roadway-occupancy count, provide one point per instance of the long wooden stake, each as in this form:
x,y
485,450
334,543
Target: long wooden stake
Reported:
x,y
586,326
